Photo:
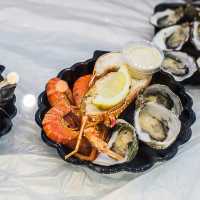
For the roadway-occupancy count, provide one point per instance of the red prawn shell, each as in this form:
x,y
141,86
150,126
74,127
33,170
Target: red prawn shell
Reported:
x,y
80,88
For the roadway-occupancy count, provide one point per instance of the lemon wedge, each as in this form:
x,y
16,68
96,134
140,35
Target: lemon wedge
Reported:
x,y
112,88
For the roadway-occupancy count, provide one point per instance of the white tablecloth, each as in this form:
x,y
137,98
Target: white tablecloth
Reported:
x,y
38,39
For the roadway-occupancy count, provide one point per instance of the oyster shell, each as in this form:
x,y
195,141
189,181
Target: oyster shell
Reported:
x,y
7,87
192,12
180,65
198,62
161,94
196,34
167,17
5,122
156,126
173,37
123,141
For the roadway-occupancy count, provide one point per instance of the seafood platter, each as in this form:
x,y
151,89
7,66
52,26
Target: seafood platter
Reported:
x,y
177,33
7,100
111,113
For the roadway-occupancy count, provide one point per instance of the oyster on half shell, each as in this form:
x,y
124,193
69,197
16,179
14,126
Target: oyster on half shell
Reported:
x,y
180,65
167,17
123,141
156,126
192,12
163,95
173,37
7,87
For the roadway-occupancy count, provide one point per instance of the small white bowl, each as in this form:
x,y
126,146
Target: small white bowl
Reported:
x,y
143,58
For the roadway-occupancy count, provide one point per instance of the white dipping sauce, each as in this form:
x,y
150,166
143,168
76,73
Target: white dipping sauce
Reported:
x,y
143,57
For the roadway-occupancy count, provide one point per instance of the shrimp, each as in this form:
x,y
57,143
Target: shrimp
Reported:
x,y
62,122
58,90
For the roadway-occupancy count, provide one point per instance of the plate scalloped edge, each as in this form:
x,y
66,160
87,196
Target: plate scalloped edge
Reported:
x,y
146,156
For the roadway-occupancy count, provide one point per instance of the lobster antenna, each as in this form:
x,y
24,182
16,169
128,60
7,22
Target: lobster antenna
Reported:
x,y
84,120
92,79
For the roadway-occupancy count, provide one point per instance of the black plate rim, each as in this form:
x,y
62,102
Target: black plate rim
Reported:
x,y
120,167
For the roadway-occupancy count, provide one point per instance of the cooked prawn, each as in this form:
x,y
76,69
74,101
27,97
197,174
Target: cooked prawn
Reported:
x,y
58,90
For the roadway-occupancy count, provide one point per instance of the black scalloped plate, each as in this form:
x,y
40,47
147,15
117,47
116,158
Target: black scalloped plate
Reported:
x,y
7,111
188,46
146,156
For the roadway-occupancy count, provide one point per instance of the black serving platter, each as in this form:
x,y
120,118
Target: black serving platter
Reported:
x,y
7,111
146,156
188,47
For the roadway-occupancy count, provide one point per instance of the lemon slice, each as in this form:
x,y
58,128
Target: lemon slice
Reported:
x,y
113,88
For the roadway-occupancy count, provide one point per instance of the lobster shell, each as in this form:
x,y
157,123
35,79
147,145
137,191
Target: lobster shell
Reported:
x,y
108,117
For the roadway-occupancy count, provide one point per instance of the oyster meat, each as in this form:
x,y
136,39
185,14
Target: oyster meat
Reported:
x,y
156,126
180,65
196,35
173,37
161,94
167,17
123,141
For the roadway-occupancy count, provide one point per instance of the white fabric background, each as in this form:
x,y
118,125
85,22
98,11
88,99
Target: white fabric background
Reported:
x,y
38,38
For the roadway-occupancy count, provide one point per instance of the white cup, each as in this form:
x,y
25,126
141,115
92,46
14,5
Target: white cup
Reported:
x,y
143,58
